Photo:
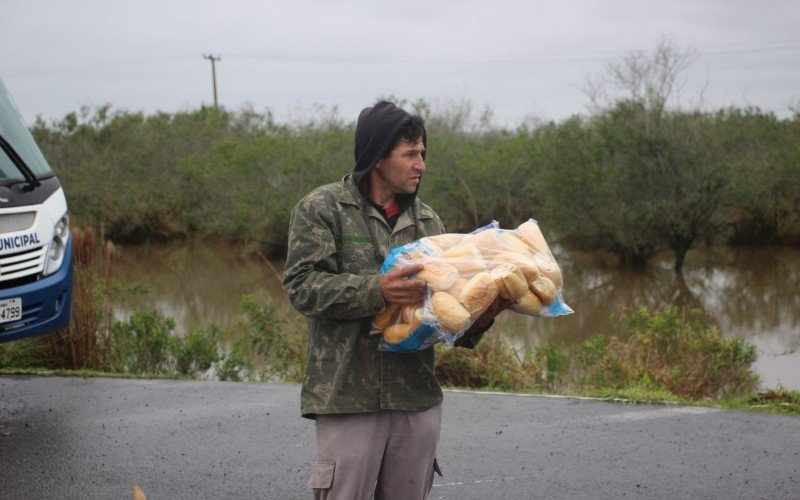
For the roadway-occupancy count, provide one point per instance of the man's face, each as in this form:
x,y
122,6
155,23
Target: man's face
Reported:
x,y
401,172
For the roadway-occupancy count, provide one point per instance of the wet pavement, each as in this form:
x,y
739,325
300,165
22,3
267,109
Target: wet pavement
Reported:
x,y
63,437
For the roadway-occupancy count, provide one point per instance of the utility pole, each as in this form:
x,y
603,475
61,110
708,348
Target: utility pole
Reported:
x,y
213,74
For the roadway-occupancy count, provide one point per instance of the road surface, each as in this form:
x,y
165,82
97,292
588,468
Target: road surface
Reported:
x,y
63,437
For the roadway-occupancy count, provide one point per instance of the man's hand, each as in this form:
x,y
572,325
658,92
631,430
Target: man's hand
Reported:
x,y
484,320
397,288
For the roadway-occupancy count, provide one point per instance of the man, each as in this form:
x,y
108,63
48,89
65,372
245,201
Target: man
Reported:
x,y
378,414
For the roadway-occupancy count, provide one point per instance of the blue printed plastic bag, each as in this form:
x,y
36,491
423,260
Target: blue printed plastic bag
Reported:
x,y
465,273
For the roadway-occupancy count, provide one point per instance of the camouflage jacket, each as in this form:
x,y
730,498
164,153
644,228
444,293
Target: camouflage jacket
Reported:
x,y
338,288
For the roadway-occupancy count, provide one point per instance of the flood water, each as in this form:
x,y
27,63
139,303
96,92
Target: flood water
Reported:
x,y
750,293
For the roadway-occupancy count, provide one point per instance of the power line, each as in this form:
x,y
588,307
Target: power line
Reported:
x,y
96,66
745,51
551,58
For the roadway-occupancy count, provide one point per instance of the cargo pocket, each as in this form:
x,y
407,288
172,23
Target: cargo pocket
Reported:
x,y
322,477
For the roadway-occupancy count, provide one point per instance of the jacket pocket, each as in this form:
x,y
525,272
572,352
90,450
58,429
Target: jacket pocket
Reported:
x,y
322,477
356,257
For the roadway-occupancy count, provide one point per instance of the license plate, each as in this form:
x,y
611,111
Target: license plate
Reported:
x,y
10,310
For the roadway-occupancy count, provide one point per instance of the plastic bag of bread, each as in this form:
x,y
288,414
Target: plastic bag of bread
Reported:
x,y
465,273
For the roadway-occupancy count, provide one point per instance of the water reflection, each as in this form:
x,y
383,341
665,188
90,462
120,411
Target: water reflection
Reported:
x,y
196,284
749,293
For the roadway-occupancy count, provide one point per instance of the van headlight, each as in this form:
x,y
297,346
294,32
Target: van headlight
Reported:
x,y
55,254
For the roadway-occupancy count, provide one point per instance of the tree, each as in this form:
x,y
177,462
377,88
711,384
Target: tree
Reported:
x,y
663,171
654,80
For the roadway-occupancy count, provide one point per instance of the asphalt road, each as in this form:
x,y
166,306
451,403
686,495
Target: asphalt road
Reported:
x,y
94,438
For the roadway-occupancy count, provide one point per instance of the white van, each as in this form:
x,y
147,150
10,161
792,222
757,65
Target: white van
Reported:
x,y
35,243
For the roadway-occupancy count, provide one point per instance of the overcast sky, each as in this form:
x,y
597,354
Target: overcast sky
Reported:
x,y
520,58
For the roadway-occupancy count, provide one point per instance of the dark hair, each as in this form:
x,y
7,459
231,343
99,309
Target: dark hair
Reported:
x,y
411,131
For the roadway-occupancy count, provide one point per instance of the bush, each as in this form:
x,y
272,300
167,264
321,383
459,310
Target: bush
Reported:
x,y
682,354
280,345
492,364
553,363
23,353
234,364
197,351
142,344
663,353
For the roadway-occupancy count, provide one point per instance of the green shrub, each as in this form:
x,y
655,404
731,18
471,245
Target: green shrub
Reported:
x,y
553,363
142,344
234,365
280,345
492,364
23,353
197,351
681,353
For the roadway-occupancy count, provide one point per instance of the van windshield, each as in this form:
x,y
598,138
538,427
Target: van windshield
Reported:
x,y
14,131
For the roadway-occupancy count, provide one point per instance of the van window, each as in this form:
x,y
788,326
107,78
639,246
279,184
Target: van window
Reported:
x,y
14,131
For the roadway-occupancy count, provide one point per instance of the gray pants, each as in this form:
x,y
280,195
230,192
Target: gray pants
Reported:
x,y
388,454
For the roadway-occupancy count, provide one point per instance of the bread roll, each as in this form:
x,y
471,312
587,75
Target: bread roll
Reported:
x,y
442,241
512,243
411,314
528,304
510,281
478,294
431,245
466,250
530,233
455,290
545,289
466,258
419,318
450,314
397,333
438,275
525,263
425,315
548,267
386,317
488,241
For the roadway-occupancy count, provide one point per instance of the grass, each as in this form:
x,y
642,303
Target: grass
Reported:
x,y
65,372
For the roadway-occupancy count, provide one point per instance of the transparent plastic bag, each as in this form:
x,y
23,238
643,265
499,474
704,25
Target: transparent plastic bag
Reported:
x,y
465,273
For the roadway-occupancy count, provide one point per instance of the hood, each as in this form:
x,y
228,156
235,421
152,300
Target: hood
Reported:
x,y
376,128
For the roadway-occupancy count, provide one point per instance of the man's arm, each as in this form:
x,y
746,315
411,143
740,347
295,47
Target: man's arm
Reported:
x,y
481,325
316,289
310,278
